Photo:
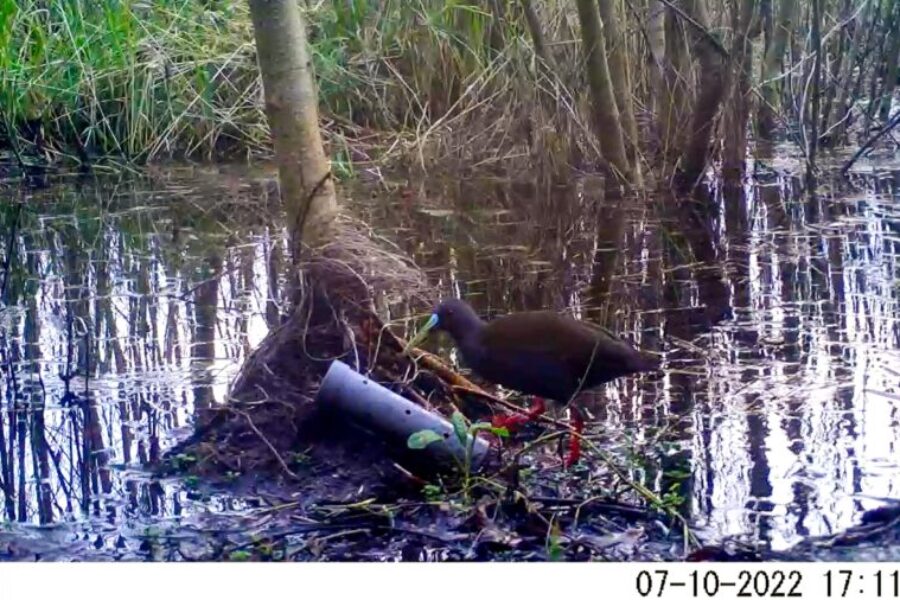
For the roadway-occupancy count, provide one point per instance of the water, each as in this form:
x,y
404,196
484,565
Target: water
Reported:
x,y
776,314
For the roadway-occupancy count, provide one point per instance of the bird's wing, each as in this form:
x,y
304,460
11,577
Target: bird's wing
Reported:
x,y
575,342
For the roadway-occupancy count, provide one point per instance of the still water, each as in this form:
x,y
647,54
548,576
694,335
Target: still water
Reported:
x,y
130,302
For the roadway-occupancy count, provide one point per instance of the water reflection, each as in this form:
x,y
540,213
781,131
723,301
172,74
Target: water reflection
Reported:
x,y
129,304
777,313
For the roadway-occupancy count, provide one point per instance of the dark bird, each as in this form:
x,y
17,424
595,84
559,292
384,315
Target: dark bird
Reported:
x,y
541,353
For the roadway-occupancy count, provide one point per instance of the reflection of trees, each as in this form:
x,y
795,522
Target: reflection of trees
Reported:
x,y
609,243
274,263
96,352
119,306
203,349
94,459
695,289
40,449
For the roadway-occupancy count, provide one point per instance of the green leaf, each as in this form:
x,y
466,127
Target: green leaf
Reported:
x,y
240,555
484,426
421,439
460,426
432,491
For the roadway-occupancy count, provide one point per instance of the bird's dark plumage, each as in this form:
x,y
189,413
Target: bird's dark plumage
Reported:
x,y
541,353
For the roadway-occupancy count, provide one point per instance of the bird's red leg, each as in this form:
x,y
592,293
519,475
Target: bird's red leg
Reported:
x,y
512,421
575,439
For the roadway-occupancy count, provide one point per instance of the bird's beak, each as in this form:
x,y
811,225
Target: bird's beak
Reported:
x,y
422,333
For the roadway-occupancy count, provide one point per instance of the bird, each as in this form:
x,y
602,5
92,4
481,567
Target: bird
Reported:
x,y
544,354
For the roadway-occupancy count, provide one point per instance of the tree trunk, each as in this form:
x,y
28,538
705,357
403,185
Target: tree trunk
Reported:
x,y
656,40
881,43
606,120
712,85
816,39
735,146
772,65
835,56
621,78
537,36
891,66
838,113
304,171
678,95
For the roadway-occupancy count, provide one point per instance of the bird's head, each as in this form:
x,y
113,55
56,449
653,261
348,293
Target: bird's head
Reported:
x,y
454,316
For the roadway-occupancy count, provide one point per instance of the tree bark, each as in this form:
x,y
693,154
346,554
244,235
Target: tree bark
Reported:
x,y
621,78
891,67
537,35
606,118
772,65
816,40
836,52
881,41
838,113
677,96
713,82
656,41
735,146
304,171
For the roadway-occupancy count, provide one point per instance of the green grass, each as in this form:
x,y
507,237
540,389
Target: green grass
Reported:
x,y
132,79
144,80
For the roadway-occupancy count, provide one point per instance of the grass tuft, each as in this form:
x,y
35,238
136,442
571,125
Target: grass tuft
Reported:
x,y
144,81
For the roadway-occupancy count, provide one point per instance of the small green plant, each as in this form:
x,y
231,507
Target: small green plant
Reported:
x,y
466,433
555,551
422,438
183,461
672,499
432,492
265,549
192,481
240,556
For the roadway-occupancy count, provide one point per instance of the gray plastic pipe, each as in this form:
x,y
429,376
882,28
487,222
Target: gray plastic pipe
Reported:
x,y
392,417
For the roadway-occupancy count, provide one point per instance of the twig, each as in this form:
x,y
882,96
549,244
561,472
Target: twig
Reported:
x,y
862,149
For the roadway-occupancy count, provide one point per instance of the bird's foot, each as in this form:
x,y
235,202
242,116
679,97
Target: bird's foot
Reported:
x,y
574,442
512,422
509,422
